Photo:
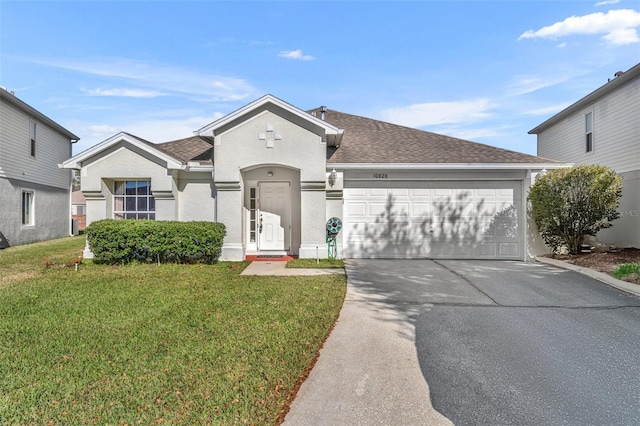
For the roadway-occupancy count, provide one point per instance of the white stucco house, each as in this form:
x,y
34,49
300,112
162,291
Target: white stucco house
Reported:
x,y
275,174
603,128
34,192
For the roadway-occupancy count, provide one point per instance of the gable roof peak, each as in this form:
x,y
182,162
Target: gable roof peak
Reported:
x,y
210,129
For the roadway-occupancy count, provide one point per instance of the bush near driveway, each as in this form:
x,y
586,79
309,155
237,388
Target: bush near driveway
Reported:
x,y
184,344
569,203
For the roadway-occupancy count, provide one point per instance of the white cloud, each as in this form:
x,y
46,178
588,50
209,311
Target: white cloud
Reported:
x,y
562,45
553,109
622,36
102,129
126,93
160,78
606,2
152,129
295,54
618,27
419,115
524,84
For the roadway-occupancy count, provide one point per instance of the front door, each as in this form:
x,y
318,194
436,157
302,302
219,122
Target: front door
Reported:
x,y
274,202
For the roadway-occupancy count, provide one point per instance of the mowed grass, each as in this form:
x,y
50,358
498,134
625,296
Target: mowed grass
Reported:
x,y
314,263
149,344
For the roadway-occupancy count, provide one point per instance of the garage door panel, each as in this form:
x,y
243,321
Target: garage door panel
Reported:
x,y
377,192
356,209
382,210
399,192
421,192
437,219
508,249
420,208
486,250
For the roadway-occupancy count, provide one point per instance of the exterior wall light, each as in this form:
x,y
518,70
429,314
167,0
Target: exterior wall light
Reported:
x,y
332,177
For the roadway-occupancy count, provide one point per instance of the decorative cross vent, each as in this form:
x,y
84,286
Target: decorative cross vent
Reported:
x,y
270,136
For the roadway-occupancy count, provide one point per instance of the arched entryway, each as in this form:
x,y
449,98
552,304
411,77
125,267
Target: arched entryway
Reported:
x,y
271,209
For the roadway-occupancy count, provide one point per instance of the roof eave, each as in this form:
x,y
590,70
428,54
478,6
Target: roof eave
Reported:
x,y
12,99
448,166
76,161
609,87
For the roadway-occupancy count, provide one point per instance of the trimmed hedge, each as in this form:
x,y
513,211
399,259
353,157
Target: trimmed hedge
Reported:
x,y
125,241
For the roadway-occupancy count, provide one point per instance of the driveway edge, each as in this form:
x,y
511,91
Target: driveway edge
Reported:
x,y
600,276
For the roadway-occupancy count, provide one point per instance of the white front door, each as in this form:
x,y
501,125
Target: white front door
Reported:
x,y
274,201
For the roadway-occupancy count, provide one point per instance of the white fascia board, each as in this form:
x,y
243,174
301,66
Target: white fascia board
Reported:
x,y
199,168
447,166
209,129
76,161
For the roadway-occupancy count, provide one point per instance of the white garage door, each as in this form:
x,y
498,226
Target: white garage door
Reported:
x,y
437,219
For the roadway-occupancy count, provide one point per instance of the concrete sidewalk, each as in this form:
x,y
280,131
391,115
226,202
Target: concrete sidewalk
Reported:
x,y
368,371
279,268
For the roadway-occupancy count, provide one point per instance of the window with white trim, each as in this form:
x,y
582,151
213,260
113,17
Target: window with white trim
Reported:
x,y
588,131
252,215
132,199
27,209
32,135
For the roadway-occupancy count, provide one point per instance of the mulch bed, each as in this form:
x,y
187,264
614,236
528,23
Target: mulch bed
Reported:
x,y
603,262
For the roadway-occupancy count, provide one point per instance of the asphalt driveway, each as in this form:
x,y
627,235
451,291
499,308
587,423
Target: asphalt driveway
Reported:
x,y
512,342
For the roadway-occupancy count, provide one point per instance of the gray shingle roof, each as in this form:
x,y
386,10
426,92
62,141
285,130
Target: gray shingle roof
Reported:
x,y
372,141
195,148
367,140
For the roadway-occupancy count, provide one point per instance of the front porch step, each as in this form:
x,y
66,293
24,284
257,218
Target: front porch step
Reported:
x,y
269,257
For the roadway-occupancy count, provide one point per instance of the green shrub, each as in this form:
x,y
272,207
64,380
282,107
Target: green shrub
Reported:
x,y
125,241
569,203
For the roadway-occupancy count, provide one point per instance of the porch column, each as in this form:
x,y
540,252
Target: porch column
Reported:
x,y
229,212
313,210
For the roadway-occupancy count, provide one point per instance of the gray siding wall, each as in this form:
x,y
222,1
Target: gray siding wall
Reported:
x,y
16,162
52,214
625,231
616,132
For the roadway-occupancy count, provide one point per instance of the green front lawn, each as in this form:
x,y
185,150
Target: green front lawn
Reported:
x,y
149,344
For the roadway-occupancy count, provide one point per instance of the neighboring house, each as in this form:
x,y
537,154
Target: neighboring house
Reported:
x,y
603,128
34,191
274,175
79,209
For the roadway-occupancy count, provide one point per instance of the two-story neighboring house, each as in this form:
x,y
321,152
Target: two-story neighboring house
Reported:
x,y
34,191
603,128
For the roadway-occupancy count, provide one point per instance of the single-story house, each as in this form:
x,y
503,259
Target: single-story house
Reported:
x,y
275,175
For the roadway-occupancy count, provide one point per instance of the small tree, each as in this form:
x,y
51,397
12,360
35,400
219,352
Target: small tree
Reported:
x,y
569,203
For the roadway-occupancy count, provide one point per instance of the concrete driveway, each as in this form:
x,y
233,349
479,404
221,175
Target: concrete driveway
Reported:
x,y
497,343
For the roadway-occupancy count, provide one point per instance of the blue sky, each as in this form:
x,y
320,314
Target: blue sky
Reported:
x,y
486,71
